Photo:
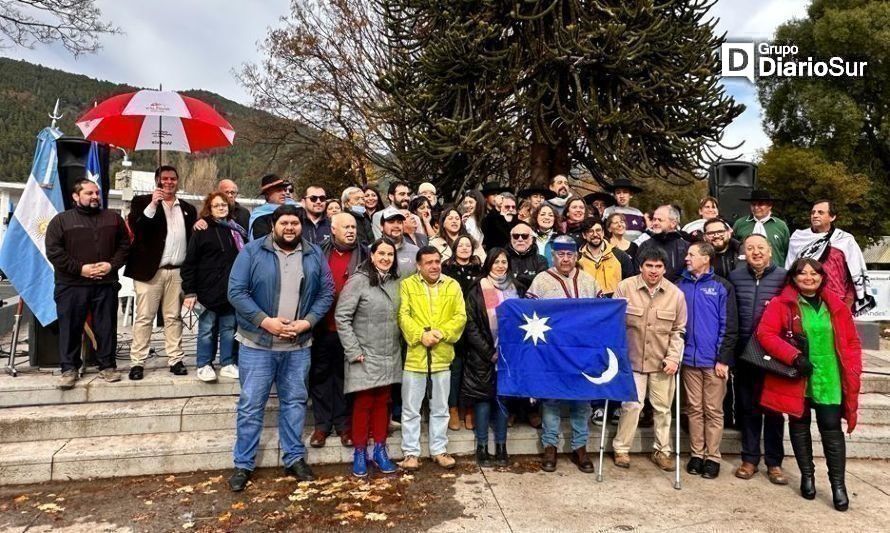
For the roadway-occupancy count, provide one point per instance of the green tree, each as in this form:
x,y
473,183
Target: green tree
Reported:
x,y
527,90
842,122
803,176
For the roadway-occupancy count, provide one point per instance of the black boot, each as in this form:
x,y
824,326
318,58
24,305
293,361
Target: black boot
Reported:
x,y
500,455
802,444
835,447
482,457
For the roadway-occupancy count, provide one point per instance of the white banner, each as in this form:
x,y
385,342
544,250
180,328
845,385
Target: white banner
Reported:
x,y
880,289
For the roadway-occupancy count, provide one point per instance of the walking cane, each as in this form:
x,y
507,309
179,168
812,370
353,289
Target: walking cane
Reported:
x,y
429,374
677,399
10,365
599,470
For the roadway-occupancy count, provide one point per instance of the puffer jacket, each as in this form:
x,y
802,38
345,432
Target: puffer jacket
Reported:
x,y
607,272
675,244
752,295
711,320
788,395
420,308
525,267
368,323
465,275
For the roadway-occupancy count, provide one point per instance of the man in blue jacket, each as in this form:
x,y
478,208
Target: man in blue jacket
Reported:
x,y
711,331
280,287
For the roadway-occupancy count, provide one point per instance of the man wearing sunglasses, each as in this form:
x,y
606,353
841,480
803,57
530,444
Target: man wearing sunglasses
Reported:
x,y
316,226
525,261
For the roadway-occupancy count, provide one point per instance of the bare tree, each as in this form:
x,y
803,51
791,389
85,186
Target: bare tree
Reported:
x,y
319,73
77,24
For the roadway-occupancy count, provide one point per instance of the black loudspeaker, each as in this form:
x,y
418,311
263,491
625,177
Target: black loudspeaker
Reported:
x,y
729,182
73,153
43,343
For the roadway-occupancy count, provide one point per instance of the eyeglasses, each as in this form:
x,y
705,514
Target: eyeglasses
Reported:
x,y
715,233
316,199
521,236
508,207
218,206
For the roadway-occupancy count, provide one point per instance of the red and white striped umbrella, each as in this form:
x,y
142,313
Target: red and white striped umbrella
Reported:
x,y
156,120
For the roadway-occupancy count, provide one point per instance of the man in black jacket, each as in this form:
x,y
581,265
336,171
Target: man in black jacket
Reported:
x,y
161,226
525,261
717,233
240,214
664,234
755,284
86,246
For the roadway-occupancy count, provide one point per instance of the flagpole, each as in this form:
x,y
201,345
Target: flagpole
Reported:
x,y
599,471
677,462
10,365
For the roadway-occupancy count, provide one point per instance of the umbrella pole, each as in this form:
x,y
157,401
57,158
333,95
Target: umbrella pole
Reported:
x,y
677,463
160,138
599,471
10,365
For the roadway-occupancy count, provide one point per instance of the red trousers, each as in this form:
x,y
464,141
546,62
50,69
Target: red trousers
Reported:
x,y
370,415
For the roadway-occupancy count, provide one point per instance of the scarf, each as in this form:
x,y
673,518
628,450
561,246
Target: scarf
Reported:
x,y
759,228
806,243
558,202
343,248
239,234
494,291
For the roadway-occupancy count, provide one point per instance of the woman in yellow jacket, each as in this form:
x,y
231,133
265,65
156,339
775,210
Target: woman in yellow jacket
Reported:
x,y
432,316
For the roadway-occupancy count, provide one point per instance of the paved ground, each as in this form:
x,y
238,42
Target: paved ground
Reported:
x,y
467,499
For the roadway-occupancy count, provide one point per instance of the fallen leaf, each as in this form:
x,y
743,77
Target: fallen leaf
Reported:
x,y
217,479
225,517
21,499
185,500
349,515
60,499
239,506
140,517
211,491
447,476
374,498
375,517
188,525
187,489
170,479
50,508
298,497
148,502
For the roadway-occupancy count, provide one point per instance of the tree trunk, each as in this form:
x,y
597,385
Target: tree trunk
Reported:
x,y
561,162
539,165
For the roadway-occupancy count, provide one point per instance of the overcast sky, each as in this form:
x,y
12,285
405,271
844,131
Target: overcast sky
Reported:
x,y
197,44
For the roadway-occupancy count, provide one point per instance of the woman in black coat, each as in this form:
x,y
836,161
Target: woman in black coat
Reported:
x,y
464,267
205,279
480,335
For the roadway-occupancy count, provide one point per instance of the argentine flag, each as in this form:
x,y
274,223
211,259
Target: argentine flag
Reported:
x,y
94,170
23,255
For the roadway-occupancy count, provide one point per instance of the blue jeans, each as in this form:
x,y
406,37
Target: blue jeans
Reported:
x,y
258,370
579,412
482,415
212,328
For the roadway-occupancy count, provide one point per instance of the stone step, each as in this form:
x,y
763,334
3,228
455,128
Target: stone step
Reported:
x,y
876,383
188,451
39,388
171,415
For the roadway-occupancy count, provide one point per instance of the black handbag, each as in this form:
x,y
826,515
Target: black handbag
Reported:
x,y
755,355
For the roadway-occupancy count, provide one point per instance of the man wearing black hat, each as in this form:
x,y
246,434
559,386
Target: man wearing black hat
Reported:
x,y
599,201
537,195
274,189
624,190
494,226
762,222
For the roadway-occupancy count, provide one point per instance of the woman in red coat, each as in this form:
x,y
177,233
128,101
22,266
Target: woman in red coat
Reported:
x,y
830,371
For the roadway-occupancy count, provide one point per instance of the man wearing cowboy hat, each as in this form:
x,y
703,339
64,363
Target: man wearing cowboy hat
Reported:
x,y
762,222
599,201
536,195
274,190
494,226
624,190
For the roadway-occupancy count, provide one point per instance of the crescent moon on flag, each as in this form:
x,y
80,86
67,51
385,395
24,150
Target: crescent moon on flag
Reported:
x,y
610,372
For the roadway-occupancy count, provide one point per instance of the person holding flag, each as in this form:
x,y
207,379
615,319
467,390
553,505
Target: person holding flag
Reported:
x,y
656,324
87,245
564,280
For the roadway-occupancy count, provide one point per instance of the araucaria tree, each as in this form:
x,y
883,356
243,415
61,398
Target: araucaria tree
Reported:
x,y
525,90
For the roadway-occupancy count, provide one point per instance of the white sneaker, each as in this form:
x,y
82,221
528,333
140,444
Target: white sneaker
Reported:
x,y
206,374
229,371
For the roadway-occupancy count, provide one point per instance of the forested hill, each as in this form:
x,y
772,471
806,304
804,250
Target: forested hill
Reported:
x,y
28,93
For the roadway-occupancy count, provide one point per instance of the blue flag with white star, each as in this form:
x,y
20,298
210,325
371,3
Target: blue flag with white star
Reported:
x,y
564,349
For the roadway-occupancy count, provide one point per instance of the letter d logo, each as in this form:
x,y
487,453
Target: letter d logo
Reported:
x,y
737,60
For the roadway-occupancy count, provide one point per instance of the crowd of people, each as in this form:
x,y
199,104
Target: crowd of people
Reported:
x,y
373,308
